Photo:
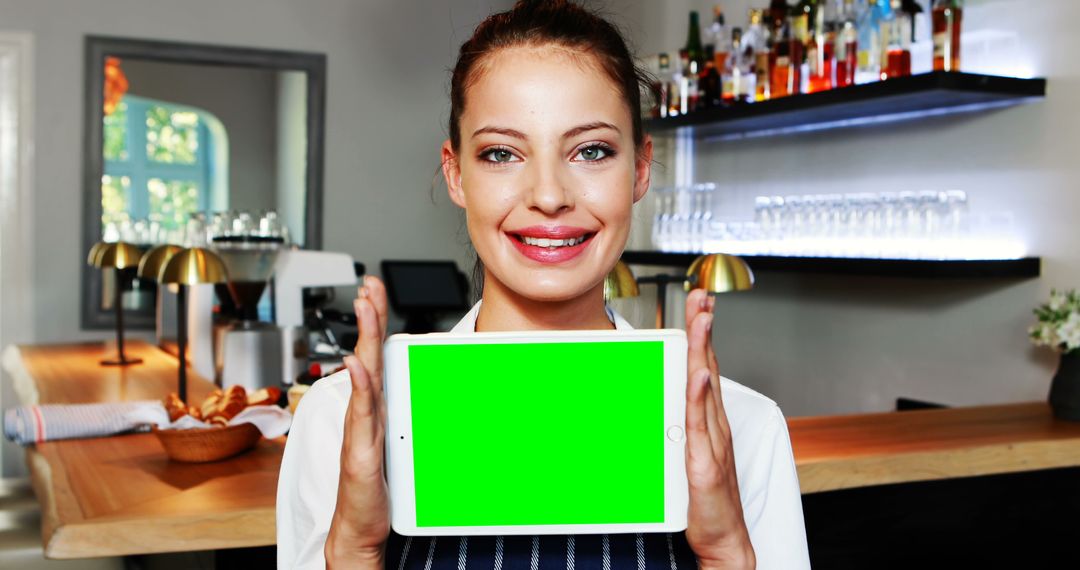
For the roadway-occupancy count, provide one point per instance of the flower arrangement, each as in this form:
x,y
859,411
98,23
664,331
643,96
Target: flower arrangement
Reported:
x,y
1058,324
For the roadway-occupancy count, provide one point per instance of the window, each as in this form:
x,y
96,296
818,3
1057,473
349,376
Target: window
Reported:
x,y
162,163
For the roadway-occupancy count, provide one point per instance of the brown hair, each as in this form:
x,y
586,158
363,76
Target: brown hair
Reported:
x,y
544,22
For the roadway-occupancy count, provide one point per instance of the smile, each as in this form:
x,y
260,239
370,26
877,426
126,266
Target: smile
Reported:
x,y
551,244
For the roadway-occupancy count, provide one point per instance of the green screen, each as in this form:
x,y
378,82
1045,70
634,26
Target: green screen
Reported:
x,y
544,433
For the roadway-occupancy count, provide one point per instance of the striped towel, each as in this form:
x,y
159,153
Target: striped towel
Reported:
x,y
27,425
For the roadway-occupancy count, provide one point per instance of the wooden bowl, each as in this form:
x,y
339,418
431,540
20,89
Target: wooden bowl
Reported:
x,y
209,444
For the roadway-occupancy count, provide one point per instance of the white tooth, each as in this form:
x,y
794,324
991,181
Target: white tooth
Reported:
x,y
543,242
558,243
528,240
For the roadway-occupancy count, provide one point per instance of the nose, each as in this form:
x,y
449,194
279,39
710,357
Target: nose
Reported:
x,y
549,192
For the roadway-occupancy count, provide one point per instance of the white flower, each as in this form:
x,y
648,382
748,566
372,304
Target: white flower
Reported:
x,y
1042,334
1058,301
1069,332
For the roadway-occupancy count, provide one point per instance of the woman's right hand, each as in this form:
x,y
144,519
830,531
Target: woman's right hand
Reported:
x,y
361,520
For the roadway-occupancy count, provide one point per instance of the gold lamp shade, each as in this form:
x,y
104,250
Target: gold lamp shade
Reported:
x,y
120,255
620,283
719,273
193,266
152,261
95,253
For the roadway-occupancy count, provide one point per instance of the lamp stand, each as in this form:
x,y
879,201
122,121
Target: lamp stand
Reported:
x,y
661,282
121,359
181,341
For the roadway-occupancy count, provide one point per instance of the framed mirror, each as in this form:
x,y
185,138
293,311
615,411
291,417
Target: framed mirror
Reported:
x,y
173,129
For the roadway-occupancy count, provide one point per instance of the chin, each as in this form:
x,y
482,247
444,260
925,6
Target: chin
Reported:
x,y
550,290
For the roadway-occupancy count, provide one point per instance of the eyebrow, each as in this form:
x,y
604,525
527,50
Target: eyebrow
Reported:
x,y
568,134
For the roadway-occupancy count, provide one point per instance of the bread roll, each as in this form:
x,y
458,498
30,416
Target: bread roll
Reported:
x,y
264,397
211,403
175,407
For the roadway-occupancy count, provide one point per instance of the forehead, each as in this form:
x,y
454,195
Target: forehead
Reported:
x,y
547,86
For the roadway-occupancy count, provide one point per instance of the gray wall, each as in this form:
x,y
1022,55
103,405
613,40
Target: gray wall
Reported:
x,y
386,110
243,99
823,345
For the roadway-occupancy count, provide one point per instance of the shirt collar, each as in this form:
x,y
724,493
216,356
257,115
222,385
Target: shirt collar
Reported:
x,y
467,324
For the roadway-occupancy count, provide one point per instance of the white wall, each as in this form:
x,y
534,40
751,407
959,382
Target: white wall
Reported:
x,y
826,344
386,110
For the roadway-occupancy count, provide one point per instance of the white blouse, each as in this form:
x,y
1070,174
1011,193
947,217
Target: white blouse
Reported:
x,y
764,465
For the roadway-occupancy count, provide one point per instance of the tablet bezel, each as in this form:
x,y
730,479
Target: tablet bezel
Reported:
x,y
399,451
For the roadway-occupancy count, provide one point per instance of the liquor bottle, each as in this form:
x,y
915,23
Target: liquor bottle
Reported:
x,y
738,79
716,34
710,92
688,83
694,49
947,18
898,54
756,46
820,49
663,85
675,89
847,46
776,17
868,29
799,24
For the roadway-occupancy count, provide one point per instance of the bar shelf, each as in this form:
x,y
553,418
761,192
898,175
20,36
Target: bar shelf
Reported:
x,y
900,99
1024,268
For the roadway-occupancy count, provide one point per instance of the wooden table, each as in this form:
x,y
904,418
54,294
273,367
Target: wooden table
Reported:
x,y
843,452
120,495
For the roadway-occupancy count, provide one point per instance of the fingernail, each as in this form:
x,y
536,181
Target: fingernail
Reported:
x,y
708,326
704,304
712,303
363,292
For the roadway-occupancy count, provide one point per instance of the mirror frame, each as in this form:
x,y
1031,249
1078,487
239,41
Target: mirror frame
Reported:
x,y
97,49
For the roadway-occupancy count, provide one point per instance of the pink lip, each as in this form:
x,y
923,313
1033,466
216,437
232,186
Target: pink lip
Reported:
x,y
545,254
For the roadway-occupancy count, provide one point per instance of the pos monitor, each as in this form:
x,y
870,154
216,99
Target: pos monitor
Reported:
x,y
420,290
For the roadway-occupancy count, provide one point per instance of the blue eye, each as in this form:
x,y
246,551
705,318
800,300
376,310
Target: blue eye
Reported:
x,y
500,155
594,153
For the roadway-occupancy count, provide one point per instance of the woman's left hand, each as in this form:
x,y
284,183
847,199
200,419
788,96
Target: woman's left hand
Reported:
x,y
715,528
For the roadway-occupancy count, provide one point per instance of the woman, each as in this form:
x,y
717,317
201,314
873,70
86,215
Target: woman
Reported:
x,y
546,155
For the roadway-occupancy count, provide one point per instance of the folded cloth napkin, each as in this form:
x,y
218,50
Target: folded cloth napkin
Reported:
x,y
272,421
27,425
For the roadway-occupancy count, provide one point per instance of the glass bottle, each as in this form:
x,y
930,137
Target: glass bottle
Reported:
x,y
688,83
738,79
694,48
819,50
847,46
947,18
716,34
799,24
868,30
756,45
663,85
780,60
709,84
898,55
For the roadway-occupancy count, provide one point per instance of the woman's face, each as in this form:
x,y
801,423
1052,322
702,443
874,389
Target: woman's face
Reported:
x,y
546,170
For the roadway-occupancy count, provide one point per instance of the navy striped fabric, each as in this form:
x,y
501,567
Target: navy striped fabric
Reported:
x,y
573,552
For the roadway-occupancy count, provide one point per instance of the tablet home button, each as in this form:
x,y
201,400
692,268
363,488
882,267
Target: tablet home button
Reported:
x,y
675,433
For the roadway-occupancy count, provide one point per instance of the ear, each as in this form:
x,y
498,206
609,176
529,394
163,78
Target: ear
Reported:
x,y
643,169
451,170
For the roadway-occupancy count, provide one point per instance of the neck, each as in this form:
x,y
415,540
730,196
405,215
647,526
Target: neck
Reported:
x,y
505,310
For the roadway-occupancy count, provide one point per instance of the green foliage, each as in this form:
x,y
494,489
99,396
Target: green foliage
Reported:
x,y
172,202
172,137
114,199
115,134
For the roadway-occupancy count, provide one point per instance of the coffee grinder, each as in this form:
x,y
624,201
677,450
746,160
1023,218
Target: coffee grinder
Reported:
x,y
249,349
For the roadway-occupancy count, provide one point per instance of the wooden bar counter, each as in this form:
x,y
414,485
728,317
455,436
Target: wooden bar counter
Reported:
x,y
120,495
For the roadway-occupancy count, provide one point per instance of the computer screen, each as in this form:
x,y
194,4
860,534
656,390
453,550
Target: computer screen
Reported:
x,y
424,286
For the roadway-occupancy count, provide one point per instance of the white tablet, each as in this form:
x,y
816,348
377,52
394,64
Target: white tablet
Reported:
x,y
536,432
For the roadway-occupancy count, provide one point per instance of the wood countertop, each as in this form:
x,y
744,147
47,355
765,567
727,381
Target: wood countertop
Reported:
x,y
843,452
120,495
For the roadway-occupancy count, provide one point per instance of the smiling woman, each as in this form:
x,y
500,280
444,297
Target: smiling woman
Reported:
x,y
546,156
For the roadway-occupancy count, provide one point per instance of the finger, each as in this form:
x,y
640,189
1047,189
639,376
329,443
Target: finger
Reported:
x,y
698,444
369,346
712,423
697,340
377,294
696,302
361,419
